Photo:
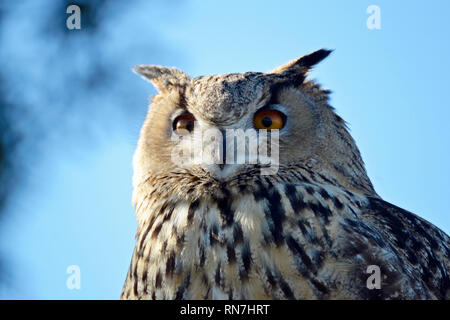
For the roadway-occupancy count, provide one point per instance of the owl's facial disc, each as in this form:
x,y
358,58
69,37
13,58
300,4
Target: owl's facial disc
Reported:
x,y
224,152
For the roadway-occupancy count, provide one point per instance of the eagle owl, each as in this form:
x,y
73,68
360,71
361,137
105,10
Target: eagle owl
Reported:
x,y
313,228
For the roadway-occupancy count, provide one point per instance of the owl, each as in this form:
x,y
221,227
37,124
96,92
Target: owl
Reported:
x,y
249,186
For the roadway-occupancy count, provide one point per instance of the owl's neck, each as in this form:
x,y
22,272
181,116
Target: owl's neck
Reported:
x,y
208,234
158,192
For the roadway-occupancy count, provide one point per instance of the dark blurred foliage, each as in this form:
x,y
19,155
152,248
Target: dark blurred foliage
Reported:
x,y
55,81
12,110
9,139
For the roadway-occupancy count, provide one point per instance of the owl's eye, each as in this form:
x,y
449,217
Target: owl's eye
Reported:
x,y
269,119
184,122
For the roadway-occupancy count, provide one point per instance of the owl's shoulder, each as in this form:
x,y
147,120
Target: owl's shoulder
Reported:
x,y
420,240
411,252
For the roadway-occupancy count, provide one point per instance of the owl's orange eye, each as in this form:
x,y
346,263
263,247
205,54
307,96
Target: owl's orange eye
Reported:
x,y
184,122
269,119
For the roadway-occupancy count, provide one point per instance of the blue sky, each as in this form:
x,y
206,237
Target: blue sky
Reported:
x,y
390,85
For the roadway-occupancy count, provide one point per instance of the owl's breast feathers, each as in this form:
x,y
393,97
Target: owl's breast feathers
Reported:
x,y
285,241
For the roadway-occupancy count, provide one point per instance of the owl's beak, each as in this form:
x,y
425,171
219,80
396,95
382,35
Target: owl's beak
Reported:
x,y
222,171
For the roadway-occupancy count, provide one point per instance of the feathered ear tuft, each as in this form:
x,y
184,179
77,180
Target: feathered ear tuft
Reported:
x,y
163,78
301,66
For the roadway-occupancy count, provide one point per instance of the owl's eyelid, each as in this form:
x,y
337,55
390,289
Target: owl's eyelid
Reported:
x,y
277,107
178,113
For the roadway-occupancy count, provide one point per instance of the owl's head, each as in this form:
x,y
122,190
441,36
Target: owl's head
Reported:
x,y
212,128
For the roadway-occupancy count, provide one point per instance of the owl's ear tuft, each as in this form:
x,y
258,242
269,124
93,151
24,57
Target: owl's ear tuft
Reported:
x,y
304,64
163,78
